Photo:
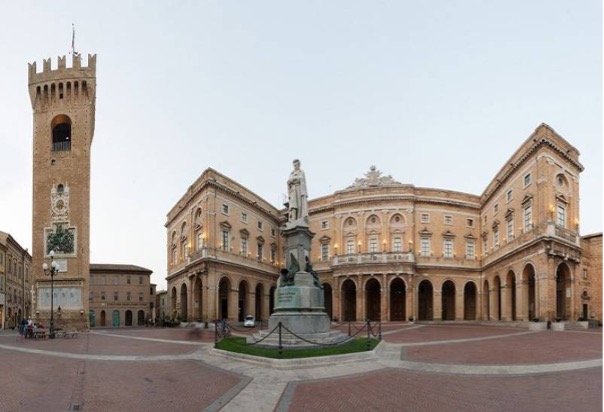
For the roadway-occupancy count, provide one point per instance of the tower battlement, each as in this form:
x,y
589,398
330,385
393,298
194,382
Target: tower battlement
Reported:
x,y
76,71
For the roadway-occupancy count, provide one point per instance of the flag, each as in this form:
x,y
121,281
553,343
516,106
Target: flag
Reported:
x,y
72,38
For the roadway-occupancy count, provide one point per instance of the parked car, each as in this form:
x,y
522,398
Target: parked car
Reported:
x,y
249,322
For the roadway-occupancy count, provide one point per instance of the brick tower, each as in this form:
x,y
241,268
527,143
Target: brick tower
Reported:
x,y
63,103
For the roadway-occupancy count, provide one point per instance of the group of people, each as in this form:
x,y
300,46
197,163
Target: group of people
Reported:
x,y
30,329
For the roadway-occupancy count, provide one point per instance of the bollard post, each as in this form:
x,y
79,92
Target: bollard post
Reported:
x,y
215,332
348,328
368,336
280,346
380,331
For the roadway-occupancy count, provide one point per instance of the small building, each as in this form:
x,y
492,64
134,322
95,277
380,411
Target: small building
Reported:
x,y
120,295
161,306
15,282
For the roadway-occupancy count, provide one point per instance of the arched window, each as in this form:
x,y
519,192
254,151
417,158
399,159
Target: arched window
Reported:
x,y
61,133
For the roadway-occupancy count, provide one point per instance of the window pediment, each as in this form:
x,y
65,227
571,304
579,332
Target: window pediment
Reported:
x,y
448,234
225,225
509,213
495,224
325,240
260,239
244,233
527,198
425,232
562,198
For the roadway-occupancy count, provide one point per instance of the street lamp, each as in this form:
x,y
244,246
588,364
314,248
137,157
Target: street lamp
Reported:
x,y
54,268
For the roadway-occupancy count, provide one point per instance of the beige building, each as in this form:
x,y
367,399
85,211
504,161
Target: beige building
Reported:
x,y
392,251
15,282
161,306
63,103
120,295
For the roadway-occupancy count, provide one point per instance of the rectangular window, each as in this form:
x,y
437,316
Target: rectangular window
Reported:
x,y
470,252
273,232
470,222
225,209
103,295
373,245
128,280
244,217
397,244
527,218
116,296
509,225
128,296
140,297
527,179
140,280
496,208
561,216
260,225
496,236
448,220
584,274
349,247
184,250
273,255
260,254
325,252
508,195
226,237
199,240
425,246
425,218
244,246
448,248
485,246
325,224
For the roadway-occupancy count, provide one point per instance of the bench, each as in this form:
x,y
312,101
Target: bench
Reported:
x,y
66,334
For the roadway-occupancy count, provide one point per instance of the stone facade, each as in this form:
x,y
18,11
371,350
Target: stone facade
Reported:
x,y
120,295
63,103
15,282
391,251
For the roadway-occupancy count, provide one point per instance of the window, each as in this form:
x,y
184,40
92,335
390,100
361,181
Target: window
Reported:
x,y
509,228
244,217
115,280
425,218
128,280
199,240
325,252
260,225
325,224
527,179
225,240
273,255
527,218
425,246
485,245
561,215
349,247
116,296
103,295
225,209
184,250
508,195
128,296
174,256
584,274
244,246
260,251
448,220
496,208
373,245
140,297
448,248
470,252
140,280
470,222
397,244
496,236
273,232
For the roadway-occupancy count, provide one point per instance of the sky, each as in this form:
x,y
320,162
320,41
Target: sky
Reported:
x,y
435,93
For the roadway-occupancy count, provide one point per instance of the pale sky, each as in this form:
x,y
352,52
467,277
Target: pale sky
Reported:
x,y
435,93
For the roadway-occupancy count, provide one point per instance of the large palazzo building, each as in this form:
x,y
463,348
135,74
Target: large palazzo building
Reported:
x,y
394,252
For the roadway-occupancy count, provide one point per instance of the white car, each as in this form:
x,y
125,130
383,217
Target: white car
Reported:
x,y
249,322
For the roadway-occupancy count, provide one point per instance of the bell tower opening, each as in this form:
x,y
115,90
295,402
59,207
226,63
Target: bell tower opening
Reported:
x,y
61,133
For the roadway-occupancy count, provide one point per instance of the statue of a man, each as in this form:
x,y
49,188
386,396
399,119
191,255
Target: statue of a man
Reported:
x,y
298,197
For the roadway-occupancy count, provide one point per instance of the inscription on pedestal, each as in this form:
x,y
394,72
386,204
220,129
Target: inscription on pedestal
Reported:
x,y
286,297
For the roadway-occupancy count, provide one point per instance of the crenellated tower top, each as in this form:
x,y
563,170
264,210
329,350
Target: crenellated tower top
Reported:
x,y
64,85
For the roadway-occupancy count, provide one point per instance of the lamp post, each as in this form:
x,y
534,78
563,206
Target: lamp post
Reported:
x,y
54,268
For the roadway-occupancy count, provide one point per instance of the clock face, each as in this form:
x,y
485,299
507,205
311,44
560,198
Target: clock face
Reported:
x,y
59,205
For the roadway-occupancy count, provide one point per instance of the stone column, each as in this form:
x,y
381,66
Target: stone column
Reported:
x,y
384,299
437,306
361,310
459,304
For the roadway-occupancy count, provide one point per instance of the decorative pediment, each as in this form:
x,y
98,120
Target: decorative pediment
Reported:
x,y
260,239
448,234
397,231
484,234
225,225
373,232
527,198
562,198
325,240
495,224
244,233
470,236
509,213
350,234
374,178
425,232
